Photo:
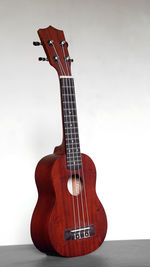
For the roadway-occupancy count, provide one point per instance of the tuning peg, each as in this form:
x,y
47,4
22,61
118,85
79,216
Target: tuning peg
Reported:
x,y
56,58
42,59
68,59
50,42
62,43
36,43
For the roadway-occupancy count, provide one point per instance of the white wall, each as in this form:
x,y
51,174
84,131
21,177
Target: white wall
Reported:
x,y
110,42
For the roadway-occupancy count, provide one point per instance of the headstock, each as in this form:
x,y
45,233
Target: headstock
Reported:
x,y
56,49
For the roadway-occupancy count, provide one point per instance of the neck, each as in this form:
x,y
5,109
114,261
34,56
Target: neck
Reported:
x,y
70,123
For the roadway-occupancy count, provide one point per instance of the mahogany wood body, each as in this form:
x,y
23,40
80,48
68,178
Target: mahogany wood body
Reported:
x,y
53,213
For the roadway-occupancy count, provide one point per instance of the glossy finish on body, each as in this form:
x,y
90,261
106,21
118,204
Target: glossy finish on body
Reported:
x,y
53,213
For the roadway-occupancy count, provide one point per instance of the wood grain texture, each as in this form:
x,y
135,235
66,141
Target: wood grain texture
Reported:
x,y
53,213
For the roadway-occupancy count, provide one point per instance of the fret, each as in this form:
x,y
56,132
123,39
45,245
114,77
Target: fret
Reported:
x,y
74,163
63,81
74,154
71,141
71,128
73,138
70,120
70,102
70,115
73,148
71,135
74,167
68,94
74,145
71,154
66,86
71,131
73,151
65,77
76,142
68,109
74,159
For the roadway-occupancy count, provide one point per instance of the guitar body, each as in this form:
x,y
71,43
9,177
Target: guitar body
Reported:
x,y
53,213
68,218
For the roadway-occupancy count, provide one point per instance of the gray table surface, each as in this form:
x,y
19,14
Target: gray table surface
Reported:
x,y
111,253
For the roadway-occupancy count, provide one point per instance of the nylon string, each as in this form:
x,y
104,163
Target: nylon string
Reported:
x,y
81,167
83,182
63,73
78,210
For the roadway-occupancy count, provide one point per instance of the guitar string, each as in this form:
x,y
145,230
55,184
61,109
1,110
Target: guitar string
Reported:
x,y
67,132
78,210
59,62
82,185
63,73
80,182
70,173
84,190
75,172
82,169
85,195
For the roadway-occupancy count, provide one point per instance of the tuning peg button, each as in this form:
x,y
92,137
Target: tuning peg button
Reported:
x,y
36,43
50,42
62,43
56,58
68,59
42,59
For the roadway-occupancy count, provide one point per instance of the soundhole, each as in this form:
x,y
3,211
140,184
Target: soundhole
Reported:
x,y
75,184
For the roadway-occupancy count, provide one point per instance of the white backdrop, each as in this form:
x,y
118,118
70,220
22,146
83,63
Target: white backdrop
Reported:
x,y
110,42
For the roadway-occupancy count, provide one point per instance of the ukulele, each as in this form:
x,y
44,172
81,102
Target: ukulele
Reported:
x,y
68,219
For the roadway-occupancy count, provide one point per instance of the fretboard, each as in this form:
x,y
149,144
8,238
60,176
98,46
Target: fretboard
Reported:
x,y
70,123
